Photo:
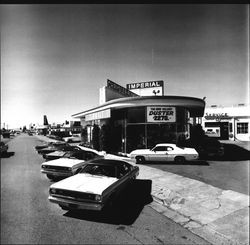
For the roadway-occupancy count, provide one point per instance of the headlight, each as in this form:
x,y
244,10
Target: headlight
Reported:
x,y
98,198
52,191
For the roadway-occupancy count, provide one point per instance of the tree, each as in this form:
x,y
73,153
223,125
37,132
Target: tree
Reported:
x,y
84,134
197,135
95,138
105,135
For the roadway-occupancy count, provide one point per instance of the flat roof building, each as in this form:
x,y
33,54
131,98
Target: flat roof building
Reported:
x,y
141,121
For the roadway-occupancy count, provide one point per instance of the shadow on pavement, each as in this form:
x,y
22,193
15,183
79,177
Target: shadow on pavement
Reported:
x,y
7,154
197,162
233,152
125,209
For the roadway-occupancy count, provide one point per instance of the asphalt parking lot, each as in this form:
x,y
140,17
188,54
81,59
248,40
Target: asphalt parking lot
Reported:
x,y
204,198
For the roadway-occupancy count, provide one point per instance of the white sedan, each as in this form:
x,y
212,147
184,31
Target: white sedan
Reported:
x,y
97,184
165,152
61,168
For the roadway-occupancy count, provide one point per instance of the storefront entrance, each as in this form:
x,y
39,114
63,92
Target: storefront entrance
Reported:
x,y
141,136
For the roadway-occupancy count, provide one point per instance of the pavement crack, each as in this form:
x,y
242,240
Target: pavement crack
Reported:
x,y
159,240
123,228
219,205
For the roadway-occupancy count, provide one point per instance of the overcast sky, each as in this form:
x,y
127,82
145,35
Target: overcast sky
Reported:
x,y
54,58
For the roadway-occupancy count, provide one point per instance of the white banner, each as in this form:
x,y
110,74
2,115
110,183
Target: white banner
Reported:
x,y
160,114
98,115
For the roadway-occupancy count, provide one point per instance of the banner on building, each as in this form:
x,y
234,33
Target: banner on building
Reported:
x,y
161,114
98,115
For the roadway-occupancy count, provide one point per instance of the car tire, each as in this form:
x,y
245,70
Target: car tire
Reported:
x,y
140,159
179,159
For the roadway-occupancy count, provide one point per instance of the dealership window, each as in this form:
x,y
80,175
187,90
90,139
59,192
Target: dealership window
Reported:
x,y
136,115
242,128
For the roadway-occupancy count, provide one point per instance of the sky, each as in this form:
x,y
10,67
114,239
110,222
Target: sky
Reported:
x,y
55,58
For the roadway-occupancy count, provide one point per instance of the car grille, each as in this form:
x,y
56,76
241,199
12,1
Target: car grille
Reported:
x,y
75,194
56,168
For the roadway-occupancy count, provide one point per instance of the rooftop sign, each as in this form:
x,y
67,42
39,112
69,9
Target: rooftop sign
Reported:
x,y
118,88
147,88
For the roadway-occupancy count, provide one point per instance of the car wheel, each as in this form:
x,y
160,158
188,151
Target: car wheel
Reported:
x,y
179,159
140,160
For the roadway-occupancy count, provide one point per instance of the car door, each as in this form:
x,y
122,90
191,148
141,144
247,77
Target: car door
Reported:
x,y
158,153
171,153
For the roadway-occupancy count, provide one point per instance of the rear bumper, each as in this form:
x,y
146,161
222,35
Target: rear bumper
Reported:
x,y
71,204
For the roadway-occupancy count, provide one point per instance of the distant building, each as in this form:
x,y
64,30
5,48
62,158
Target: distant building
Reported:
x,y
227,122
69,126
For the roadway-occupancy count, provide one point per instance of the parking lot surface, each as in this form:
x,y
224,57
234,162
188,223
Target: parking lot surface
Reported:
x,y
212,213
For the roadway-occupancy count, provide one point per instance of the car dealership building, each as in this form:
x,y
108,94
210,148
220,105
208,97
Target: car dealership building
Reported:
x,y
140,116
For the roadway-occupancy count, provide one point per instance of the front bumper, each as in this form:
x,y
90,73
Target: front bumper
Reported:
x,y
56,173
76,204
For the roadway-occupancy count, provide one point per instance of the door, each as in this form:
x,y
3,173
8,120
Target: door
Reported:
x,y
159,153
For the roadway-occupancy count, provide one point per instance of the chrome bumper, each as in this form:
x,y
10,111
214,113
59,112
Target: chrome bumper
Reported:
x,y
75,204
54,173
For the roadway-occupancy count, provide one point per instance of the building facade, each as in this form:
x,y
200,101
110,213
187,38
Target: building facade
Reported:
x,y
227,123
143,121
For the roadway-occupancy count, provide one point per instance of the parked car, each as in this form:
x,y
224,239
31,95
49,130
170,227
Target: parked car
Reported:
x,y
165,152
45,145
97,184
63,146
55,137
3,148
75,138
77,152
61,168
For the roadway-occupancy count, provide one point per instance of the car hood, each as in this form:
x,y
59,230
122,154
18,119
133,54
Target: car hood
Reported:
x,y
56,153
140,151
63,162
84,182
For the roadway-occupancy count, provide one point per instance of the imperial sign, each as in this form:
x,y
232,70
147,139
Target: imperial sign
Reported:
x,y
150,84
147,88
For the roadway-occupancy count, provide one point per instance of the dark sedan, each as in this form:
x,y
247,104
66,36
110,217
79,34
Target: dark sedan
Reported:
x,y
45,145
56,147
77,152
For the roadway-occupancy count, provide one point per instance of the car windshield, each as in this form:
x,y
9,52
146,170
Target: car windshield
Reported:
x,y
103,170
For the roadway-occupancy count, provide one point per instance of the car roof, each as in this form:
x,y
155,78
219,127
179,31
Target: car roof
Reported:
x,y
87,149
165,144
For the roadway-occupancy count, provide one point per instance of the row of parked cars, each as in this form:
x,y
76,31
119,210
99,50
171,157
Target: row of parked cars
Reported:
x,y
84,178
89,179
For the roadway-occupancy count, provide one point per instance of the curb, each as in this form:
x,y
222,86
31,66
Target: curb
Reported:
x,y
209,212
